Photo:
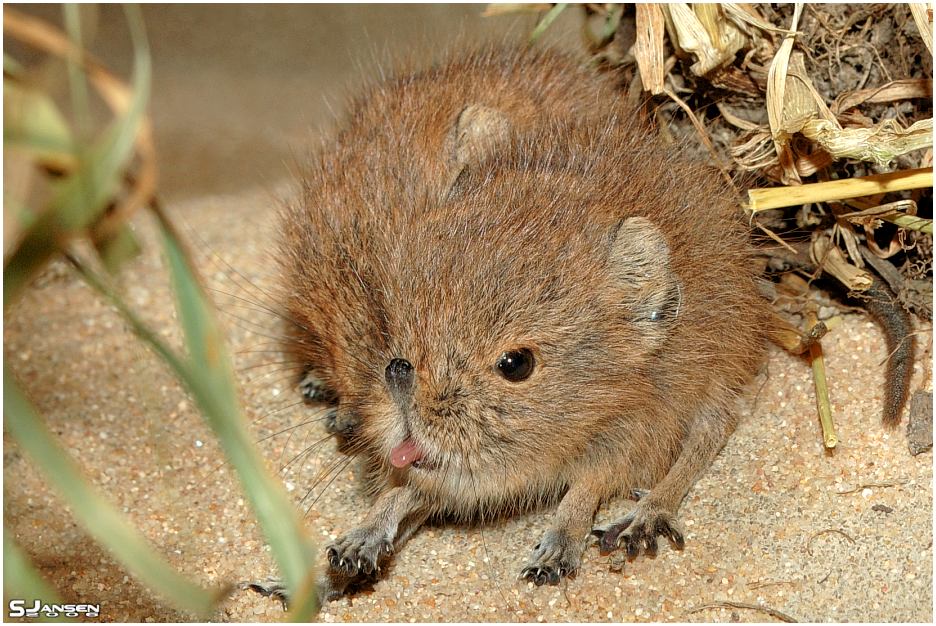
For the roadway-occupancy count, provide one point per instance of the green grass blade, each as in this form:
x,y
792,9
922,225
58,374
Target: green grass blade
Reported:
x,y
304,603
117,248
212,384
142,330
11,66
81,107
612,22
80,198
547,20
911,222
96,514
20,578
32,123
210,379
21,581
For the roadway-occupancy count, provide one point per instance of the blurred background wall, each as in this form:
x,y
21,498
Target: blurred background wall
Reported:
x,y
240,92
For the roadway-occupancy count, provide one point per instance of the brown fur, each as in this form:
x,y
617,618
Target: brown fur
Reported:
x,y
507,201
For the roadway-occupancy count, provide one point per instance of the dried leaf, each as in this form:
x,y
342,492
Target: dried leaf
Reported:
x,y
694,38
648,46
891,92
802,103
922,17
776,100
828,257
723,33
745,14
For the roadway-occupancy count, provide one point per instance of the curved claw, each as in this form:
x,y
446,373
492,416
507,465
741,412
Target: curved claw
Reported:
x,y
541,575
638,531
353,559
670,532
609,537
650,545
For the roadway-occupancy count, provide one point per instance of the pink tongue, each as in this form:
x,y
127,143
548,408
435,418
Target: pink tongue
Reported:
x,y
405,454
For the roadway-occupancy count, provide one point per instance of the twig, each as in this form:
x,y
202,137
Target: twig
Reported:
x,y
827,531
901,481
774,236
760,584
721,604
703,135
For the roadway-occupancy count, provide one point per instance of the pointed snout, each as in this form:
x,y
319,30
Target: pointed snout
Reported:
x,y
399,375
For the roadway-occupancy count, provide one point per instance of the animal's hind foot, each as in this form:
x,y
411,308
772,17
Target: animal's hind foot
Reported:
x,y
637,531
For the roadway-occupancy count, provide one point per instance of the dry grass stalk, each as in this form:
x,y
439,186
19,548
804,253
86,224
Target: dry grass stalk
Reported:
x,y
703,134
789,337
880,144
830,259
911,222
746,14
823,405
783,617
733,119
778,197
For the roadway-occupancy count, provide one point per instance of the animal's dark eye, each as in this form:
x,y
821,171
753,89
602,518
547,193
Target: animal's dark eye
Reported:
x,y
516,365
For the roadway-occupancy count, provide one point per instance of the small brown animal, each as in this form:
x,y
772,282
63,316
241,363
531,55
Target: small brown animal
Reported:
x,y
516,295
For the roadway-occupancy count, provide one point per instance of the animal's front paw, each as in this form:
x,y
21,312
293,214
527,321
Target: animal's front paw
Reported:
x,y
344,430
554,557
638,531
359,552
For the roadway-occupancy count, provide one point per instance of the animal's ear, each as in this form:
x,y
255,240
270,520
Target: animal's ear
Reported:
x,y
640,265
478,132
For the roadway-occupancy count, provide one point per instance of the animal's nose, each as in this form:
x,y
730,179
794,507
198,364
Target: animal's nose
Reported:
x,y
399,375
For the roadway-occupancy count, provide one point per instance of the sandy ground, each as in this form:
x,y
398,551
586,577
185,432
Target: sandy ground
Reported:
x,y
775,522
